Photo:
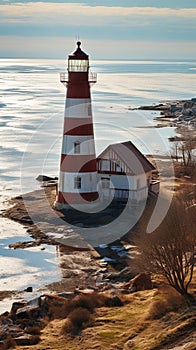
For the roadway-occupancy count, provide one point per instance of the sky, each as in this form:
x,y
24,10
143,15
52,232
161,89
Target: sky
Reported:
x,y
109,29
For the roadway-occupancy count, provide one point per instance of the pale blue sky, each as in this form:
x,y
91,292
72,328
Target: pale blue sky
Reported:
x,y
115,29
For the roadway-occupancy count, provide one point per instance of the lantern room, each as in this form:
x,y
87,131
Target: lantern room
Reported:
x,y
78,61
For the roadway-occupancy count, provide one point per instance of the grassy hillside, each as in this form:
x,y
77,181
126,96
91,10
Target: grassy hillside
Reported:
x,y
154,319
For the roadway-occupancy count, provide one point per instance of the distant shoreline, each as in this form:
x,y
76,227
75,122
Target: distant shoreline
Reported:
x,y
179,112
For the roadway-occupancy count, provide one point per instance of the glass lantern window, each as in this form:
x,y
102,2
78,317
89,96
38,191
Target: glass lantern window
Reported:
x,y
78,65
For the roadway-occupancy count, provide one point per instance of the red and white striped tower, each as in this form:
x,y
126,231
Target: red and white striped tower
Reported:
x,y
78,171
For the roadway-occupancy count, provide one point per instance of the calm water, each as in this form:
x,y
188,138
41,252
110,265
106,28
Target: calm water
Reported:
x,y
31,120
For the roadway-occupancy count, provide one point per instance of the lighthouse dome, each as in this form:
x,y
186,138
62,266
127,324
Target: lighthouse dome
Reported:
x,y
78,53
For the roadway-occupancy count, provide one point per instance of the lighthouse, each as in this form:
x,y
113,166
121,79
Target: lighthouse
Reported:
x,y
78,171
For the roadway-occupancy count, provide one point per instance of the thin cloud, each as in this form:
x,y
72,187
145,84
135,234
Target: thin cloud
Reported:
x,y
67,12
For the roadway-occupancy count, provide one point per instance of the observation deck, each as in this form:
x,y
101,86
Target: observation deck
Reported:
x,y
92,78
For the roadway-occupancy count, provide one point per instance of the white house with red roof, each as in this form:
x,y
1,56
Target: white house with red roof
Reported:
x,y
124,172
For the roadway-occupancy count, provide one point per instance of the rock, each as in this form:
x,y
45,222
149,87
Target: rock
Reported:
x,y
114,301
28,289
26,339
15,331
41,178
67,295
18,197
124,275
84,291
103,264
10,329
17,305
28,312
141,282
107,259
7,320
103,246
23,219
23,245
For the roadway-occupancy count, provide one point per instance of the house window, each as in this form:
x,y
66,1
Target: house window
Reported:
x,y
105,166
77,182
118,166
105,183
77,147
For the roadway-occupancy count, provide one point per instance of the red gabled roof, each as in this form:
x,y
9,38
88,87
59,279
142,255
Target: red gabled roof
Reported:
x,y
131,156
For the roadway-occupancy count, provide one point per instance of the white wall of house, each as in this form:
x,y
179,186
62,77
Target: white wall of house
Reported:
x,y
122,182
122,186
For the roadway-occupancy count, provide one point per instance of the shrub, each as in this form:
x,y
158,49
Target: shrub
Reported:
x,y
169,301
82,301
33,330
77,320
94,300
89,302
158,309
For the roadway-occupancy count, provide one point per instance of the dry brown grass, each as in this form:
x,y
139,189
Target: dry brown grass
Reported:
x,y
126,327
167,300
77,320
140,324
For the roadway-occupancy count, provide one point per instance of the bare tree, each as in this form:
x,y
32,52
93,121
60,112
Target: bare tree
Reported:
x,y
185,152
175,151
170,249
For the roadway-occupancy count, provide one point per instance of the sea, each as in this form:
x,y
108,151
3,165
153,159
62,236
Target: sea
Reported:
x,y
31,123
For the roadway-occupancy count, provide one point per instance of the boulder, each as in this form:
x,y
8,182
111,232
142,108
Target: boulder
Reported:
x,y
121,276
28,312
41,178
28,289
114,301
141,282
26,339
17,305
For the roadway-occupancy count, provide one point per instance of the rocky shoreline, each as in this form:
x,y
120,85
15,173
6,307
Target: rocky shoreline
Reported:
x,y
91,265
179,112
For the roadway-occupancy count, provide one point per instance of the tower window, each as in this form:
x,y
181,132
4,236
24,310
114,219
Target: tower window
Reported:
x,y
89,110
77,147
77,182
105,182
